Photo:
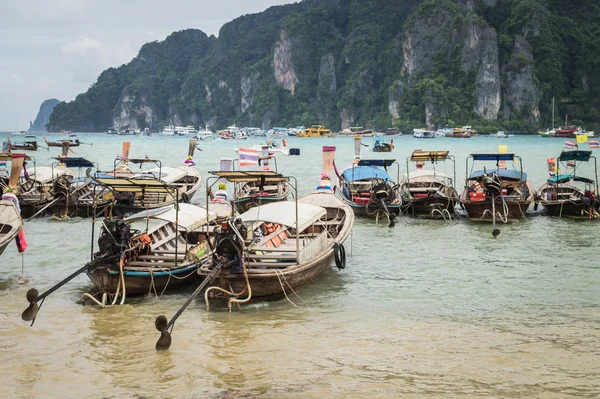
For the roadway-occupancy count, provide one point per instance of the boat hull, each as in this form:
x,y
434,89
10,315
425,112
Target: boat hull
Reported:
x,y
431,207
10,223
106,280
573,209
267,284
482,210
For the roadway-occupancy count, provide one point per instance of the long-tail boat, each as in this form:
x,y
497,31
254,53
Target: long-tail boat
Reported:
x,y
11,224
282,245
249,194
367,187
497,193
73,141
28,144
133,192
149,252
568,194
428,192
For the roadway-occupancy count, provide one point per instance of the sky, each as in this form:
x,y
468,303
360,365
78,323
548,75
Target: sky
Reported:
x,y
57,48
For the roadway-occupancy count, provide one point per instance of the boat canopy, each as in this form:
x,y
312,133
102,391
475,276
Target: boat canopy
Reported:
x,y
238,176
429,156
503,173
504,156
425,175
323,198
45,174
76,162
567,178
166,174
190,217
382,163
365,173
136,185
577,155
284,213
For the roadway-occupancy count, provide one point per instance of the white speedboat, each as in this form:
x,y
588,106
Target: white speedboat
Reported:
x,y
186,131
424,134
205,135
169,130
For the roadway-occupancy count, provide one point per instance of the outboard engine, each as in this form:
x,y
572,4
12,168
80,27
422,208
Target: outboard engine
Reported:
x,y
115,236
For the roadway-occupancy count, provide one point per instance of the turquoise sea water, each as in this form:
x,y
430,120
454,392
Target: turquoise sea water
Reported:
x,y
426,309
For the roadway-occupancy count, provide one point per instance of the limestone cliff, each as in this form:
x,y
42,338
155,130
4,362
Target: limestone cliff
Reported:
x,y
346,63
39,124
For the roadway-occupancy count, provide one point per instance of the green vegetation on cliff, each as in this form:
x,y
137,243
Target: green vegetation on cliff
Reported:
x,y
492,64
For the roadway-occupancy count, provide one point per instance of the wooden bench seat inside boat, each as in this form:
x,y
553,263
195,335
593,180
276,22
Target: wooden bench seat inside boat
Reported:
x,y
180,256
153,264
423,189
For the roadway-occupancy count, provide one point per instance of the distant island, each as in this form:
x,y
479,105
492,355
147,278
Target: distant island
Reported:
x,y
41,120
494,65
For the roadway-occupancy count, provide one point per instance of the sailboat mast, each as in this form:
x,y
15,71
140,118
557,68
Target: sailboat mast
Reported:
x,y
552,113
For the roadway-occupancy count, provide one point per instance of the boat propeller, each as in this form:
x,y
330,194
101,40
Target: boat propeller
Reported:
x,y
164,342
33,296
31,312
162,324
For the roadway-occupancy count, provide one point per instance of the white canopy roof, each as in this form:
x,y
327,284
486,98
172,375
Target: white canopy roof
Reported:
x,y
323,198
191,217
426,175
284,213
44,174
167,174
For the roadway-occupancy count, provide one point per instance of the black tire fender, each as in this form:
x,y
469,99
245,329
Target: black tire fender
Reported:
x,y
340,255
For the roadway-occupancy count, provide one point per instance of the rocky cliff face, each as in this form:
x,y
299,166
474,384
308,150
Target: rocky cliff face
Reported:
x,y
346,63
480,53
522,94
285,75
39,125
133,112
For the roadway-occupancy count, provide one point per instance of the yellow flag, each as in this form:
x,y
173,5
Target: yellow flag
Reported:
x,y
502,148
581,138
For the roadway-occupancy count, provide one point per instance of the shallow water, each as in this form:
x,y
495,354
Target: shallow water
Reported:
x,y
426,309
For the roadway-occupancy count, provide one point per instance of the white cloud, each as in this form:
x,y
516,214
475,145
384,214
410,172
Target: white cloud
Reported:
x,y
81,46
58,48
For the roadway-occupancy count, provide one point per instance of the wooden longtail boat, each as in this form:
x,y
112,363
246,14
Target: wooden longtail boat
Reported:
x,y
380,145
10,213
367,187
560,196
428,193
165,256
281,246
252,193
29,144
130,194
369,190
73,141
496,194
80,197
10,222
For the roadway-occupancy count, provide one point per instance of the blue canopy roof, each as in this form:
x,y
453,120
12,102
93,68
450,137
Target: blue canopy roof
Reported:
x,y
577,155
567,178
376,162
503,173
504,156
364,173
77,162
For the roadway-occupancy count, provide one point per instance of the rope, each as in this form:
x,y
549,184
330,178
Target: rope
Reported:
x,y
283,289
288,284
